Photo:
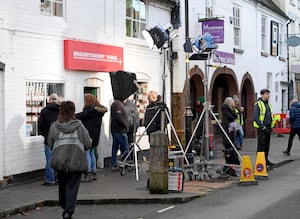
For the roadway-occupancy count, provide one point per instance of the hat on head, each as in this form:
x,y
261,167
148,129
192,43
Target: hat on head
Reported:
x,y
265,90
202,99
53,97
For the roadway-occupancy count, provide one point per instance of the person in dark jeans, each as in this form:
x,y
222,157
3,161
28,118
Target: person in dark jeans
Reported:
x,y
262,121
295,124
119,129
47,116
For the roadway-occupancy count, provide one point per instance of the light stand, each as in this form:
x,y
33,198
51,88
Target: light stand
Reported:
x,y
202,171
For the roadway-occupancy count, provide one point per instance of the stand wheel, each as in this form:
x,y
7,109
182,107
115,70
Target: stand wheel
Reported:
x,y
122,172
190,175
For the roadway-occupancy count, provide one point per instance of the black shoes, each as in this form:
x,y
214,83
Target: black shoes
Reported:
x,y
269,163
286,153
45,183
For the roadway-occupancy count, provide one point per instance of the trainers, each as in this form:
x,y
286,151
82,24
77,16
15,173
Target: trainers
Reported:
x,y
286,153
86,177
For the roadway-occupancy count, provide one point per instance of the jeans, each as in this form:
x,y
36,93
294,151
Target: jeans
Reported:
x,y
91,159
119,140
239,137
50,175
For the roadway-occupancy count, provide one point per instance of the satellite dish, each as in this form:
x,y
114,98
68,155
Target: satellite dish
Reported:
x,y
293,41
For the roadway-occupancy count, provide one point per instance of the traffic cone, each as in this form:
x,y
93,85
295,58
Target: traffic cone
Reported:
x,y
247,177
260,171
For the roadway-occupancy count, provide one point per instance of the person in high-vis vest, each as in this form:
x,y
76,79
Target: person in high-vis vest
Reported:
x,y
240,120
263,122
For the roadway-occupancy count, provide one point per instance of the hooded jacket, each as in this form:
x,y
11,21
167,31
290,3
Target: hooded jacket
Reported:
x,y
69,157
119,118
91,117
48,115
295,115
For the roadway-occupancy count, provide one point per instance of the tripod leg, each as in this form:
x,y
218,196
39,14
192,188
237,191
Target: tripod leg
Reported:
x,y
136,163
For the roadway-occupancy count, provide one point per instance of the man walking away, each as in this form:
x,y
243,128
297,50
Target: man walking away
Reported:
x,y
295,124
48,115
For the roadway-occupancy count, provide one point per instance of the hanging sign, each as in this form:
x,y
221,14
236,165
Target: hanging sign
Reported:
x,y
215,28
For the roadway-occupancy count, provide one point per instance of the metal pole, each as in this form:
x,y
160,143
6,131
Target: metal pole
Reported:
x,y
288,63
206,107
188,112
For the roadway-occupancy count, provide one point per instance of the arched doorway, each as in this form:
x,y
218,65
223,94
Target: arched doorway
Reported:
x,y
223,84
196,87
247,101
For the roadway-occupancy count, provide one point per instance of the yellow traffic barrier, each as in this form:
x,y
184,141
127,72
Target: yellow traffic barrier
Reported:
x,y
260,171
247,177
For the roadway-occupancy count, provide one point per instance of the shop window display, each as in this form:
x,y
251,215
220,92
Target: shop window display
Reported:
x,y
37,96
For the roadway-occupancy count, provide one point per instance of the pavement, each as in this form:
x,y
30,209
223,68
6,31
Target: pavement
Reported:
x,y
114,188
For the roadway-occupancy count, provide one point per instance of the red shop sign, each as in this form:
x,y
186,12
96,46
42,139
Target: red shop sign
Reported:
x,y
92,56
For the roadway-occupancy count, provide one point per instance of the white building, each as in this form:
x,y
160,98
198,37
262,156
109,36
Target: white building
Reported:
x,y
45,45
292,9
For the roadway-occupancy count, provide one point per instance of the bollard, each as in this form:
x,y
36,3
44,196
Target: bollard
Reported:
x,y
159,166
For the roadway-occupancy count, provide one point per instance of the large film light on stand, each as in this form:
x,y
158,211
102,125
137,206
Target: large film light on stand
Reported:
x,y
158,36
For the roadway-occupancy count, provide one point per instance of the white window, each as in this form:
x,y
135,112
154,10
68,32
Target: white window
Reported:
x,y
37,94
263,33
209,8
52,7
281,40
135,18
237,26
269,80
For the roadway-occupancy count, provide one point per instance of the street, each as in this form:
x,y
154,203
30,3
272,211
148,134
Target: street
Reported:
x,y
275,198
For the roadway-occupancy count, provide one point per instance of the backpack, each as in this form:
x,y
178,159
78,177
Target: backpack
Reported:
x,y
67,139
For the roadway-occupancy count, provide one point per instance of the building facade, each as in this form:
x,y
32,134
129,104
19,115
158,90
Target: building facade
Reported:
x,y
292,9
70,48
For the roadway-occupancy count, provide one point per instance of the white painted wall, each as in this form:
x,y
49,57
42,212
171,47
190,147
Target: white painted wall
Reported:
x,y
32,47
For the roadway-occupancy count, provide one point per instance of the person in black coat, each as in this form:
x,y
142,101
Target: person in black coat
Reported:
x,y
119,129
152,123
47,116
91,117
230,127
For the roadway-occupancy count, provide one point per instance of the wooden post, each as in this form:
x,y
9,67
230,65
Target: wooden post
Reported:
x,y
159,163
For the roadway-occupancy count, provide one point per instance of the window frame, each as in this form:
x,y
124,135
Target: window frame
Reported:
x,y
236,21
49,7
209,6
135,18
264,33
37,96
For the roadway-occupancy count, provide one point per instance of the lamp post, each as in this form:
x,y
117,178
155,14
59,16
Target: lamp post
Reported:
x,y
188,112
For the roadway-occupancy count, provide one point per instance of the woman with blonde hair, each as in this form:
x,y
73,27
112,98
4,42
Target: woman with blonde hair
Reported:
x,y
91,117
228,120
